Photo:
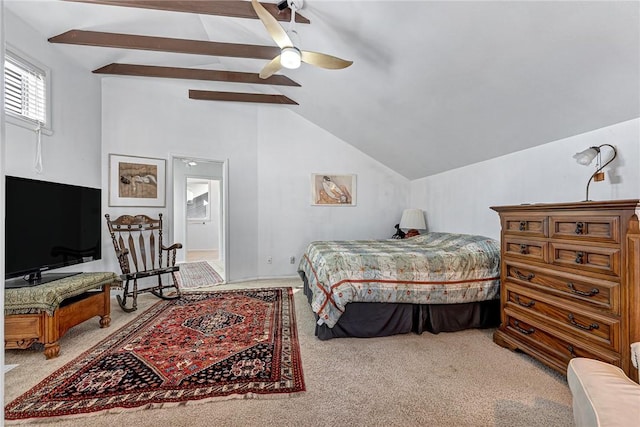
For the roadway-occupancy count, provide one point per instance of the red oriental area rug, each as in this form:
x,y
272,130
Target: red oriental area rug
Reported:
x,y
203,346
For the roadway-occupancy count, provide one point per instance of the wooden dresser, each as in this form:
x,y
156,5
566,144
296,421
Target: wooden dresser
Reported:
x,y
570,281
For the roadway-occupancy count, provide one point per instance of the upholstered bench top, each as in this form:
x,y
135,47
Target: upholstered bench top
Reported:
x,y
47,297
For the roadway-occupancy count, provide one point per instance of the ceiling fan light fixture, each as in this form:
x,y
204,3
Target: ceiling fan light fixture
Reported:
x,y
290,58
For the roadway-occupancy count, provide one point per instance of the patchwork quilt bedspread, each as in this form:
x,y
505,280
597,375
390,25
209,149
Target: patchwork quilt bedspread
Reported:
x,y
433,268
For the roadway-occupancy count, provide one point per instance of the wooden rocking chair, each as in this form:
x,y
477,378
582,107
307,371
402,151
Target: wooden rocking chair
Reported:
x,y
137,241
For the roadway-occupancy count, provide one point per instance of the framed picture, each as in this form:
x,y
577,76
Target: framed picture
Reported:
x,y
333,190
136,181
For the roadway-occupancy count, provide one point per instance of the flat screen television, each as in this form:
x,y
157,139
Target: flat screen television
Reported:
x,y
48,225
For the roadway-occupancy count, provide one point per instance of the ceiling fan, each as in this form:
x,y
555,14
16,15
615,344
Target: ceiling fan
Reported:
x,y
291,55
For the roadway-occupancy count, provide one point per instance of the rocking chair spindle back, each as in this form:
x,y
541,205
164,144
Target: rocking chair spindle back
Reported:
x,y
137,241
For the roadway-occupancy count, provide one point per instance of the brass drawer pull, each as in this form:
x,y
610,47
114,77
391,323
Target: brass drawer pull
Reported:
x,y
516,325
523,225
531,303
579,227
578,325
591,293
572,351
521,276
523,249
579,257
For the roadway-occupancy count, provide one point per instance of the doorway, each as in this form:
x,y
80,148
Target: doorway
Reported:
x,y
199,188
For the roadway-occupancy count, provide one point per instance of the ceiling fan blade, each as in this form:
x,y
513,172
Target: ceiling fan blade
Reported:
x,y
277,33
271,68
324,61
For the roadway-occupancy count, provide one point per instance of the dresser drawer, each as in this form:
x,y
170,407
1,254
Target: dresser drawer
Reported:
x,y
601,294
594,228
592,258
559,347
526,225
591,326
526,249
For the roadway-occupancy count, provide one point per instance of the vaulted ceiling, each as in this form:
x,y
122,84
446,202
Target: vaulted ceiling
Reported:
x,y
435,85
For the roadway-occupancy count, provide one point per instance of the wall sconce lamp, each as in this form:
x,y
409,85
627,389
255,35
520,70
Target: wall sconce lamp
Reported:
x,y
586,157
413,220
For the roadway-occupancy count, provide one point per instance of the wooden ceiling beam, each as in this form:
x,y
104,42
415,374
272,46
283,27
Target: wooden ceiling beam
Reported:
x,y
193,74
164,44
207,95
234,9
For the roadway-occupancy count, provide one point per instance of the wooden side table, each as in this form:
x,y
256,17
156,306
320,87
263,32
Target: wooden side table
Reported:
x,y
46,312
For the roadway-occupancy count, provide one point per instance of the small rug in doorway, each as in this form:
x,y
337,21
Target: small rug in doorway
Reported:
x,y
201,347
197,274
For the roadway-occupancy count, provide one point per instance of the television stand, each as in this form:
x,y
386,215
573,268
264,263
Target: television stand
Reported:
x,y
44,313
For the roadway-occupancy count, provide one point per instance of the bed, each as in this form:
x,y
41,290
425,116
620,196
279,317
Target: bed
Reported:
x,y
438,282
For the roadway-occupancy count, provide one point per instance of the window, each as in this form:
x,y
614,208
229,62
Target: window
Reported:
x,y
25,92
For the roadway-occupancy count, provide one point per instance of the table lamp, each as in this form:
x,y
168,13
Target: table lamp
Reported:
x,y
586,157
413,220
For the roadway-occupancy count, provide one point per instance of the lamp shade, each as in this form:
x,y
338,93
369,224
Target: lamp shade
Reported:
x,y
413,219
585,157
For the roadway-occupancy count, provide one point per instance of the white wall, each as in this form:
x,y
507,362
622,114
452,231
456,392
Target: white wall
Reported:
x,y
155,118
290,149
459,200
71,154
271,154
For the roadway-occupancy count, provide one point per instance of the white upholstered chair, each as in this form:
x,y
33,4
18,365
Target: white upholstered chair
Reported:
x,y
602,394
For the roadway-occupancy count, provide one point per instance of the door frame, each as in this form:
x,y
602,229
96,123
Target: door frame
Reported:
x,y
180,206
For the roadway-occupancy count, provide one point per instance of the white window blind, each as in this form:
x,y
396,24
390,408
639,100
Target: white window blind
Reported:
x,y
25,90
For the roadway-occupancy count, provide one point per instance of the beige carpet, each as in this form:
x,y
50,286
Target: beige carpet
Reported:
x,y
449,379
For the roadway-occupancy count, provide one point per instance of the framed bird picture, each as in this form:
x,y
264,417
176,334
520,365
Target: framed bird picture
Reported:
x,y
136,181
333,190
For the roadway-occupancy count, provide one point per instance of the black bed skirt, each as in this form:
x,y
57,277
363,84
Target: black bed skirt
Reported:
x,y
365,320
